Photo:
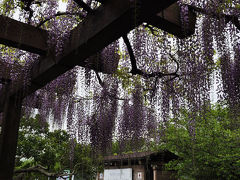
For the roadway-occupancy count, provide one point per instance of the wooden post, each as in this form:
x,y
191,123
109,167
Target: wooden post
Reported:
x,y
9,136
154,172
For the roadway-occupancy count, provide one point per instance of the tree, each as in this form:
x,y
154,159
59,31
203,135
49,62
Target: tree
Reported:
x,y
209,149
42,153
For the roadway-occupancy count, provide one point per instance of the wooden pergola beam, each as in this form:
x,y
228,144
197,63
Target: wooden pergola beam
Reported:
x,y
170,20
26,37
83,5
23,36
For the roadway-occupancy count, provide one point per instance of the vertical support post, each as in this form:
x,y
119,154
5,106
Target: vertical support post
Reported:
x,y
154,172
9,136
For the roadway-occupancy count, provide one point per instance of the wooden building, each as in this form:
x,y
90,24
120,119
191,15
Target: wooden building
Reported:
x,y
137,166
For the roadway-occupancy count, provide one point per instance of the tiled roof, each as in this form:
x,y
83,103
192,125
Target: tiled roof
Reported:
x,y
136,155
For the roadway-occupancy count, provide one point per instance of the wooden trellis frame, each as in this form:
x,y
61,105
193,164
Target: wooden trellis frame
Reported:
x,y
101,27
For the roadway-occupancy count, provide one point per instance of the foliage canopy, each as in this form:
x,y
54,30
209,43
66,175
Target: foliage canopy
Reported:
x,y
209,149
42,153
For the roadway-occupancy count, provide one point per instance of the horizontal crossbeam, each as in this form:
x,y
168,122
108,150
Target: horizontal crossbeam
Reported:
x,y
170,20
83,5
23,36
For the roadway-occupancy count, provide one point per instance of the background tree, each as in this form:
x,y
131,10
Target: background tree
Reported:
x,y
208,147
42,153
